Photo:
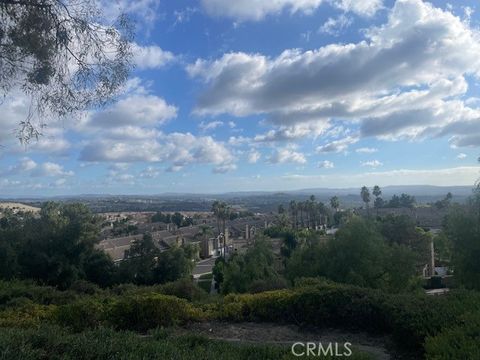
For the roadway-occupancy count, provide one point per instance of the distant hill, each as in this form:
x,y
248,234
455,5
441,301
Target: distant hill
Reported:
x,y
17,207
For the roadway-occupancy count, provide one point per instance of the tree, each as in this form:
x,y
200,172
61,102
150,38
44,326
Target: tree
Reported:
x,y
335,203
359,255
62,55
293,209
378,202
222,213
365,194
242,271
172,265
139,262
463,229
57,247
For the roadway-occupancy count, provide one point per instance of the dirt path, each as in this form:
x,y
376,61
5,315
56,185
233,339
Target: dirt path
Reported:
x,y
266,333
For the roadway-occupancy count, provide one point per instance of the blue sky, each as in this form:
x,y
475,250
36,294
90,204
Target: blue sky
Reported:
x,y
270,95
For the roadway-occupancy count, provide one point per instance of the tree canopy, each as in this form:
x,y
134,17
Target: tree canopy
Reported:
x,y
63,55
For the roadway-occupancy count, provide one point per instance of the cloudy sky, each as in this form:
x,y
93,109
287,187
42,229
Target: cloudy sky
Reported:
x,y
270,95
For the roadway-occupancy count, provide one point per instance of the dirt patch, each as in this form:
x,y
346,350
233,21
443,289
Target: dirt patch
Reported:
x,y
267,333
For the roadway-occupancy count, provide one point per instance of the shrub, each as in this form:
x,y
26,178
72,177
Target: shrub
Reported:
x,y
45,295
80,315
184,289
410,318
27,316
456,343
143,312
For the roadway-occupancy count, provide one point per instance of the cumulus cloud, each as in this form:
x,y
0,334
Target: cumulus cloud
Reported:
x,y
326,164
287,155
243,10
50,169
371,163
24,165
180,149
134,110
403,80
461,156
151,57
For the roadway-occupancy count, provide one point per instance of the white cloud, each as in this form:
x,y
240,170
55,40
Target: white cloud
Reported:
x,y
326,164
254,156
334,26
366,150
404,80
461,156
25,164
180,149
205,126
337,145
255,10
371,163
242,10
146,10
50,169
134,110
287,155
151,57
359,7
149,173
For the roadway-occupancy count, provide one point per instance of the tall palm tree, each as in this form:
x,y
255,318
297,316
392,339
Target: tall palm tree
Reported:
x,y
335,203
293,208
377,192
365,194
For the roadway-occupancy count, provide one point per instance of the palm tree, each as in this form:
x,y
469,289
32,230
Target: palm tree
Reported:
x,y
293,208
216,212
335,203
365,194
378,200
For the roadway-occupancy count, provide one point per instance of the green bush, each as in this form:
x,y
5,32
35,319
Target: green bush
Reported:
x,y
26,316
80,315
183,288
145,312
45,295
456,343
409,318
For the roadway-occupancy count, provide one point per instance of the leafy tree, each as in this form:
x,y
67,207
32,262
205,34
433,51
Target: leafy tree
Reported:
x,y
61,54
463,230
57,247
445,203
359,255
172,265
242,271
139,262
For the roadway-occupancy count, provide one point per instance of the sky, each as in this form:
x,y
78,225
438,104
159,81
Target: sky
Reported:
x,y
269,95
